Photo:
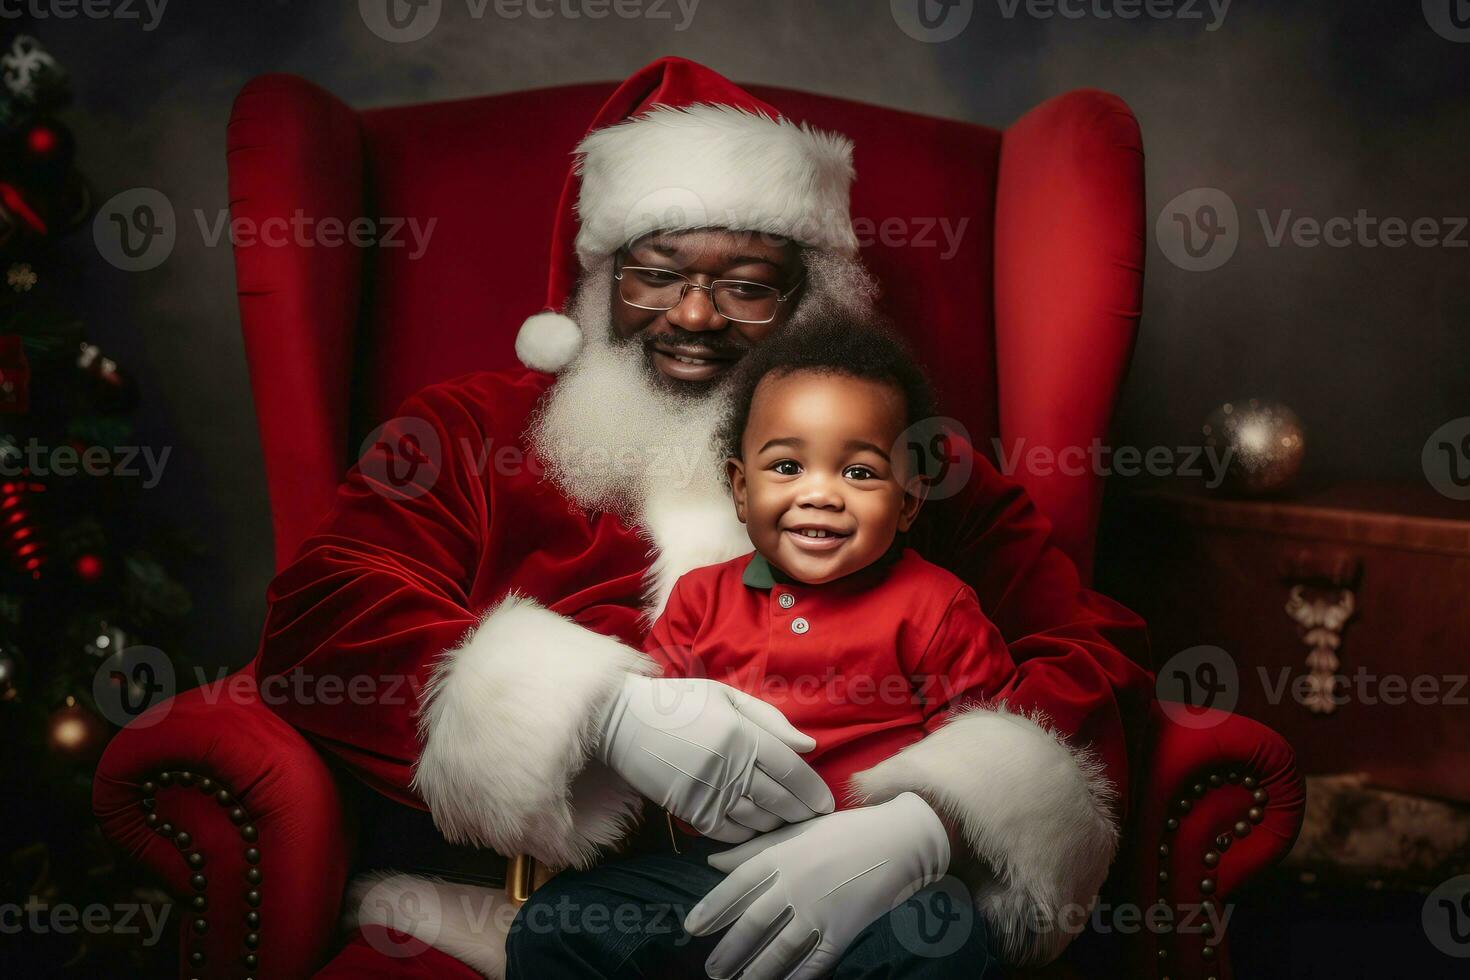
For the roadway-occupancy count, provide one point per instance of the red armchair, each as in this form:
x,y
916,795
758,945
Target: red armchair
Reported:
x,y
1016,259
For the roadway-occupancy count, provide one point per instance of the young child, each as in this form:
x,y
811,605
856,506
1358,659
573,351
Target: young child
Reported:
x,y
859,641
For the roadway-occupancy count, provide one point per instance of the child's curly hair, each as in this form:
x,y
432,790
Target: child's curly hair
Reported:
x,y
836,343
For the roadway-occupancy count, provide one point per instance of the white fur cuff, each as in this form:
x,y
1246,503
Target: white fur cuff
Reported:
x,y
508,727
469,922
1039,814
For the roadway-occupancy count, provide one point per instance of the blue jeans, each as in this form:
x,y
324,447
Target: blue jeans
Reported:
x,y
625,919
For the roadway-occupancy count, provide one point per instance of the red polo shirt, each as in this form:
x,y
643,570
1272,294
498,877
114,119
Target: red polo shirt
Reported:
x,y
865,665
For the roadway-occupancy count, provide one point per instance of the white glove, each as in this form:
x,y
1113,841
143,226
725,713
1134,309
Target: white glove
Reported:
x,y
719,759
800,895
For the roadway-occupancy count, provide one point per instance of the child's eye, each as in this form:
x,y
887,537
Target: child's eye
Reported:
x,y
857,472
786,467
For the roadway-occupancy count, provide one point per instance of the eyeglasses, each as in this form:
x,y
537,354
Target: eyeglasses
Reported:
x,y
648,288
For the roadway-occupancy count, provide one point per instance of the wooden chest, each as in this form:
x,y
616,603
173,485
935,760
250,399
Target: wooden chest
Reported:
x,y
1344,613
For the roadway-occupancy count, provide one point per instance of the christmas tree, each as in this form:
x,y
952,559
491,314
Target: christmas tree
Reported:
x,y
85,580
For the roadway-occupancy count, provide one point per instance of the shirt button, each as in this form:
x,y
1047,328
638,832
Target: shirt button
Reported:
x,y
786,599
799,625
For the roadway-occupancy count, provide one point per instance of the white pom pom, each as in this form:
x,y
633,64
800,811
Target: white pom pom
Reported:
x,y
548,341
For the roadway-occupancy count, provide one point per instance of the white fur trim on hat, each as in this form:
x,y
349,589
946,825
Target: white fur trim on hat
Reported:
x,y
713,166
548,341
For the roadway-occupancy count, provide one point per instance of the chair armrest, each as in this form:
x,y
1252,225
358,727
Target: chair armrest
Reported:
x,y
1221,801
241,819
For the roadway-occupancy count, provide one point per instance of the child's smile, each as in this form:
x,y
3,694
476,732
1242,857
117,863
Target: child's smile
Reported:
x,y
822,485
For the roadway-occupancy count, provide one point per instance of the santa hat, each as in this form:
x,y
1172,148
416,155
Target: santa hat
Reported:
x,y
679,147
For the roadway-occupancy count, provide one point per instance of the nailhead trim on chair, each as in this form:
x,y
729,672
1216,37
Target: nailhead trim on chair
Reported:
x,y
1211,859
199,904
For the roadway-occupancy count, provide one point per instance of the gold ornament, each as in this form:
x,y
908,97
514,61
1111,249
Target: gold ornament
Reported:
x,y
74,732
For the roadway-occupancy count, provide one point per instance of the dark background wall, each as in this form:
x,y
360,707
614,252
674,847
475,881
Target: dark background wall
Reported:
x,y
1320,107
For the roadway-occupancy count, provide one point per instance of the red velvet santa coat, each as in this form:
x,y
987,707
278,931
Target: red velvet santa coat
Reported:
x,y
479,619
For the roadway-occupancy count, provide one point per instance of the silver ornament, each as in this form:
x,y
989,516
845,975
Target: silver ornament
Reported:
x,y
1264,443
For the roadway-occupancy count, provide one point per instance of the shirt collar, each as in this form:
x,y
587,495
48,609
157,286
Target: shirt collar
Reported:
x,y
761,574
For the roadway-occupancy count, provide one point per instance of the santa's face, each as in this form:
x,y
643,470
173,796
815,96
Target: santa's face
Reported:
x,y
692,345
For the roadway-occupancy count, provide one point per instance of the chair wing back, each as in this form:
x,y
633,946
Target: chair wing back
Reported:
x,y
462,196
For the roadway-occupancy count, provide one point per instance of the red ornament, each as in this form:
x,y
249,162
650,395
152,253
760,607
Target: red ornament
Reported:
x,y
20,535
42,141
88,567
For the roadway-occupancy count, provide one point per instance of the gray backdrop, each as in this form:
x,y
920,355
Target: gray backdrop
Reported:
x,y
1322,108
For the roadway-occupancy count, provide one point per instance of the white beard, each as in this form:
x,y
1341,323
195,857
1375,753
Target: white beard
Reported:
x,y
614,440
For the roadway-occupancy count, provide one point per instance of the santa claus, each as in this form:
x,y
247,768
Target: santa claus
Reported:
x,y
507,539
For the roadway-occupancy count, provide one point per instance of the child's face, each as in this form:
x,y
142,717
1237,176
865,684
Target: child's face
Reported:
x,y
819,453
